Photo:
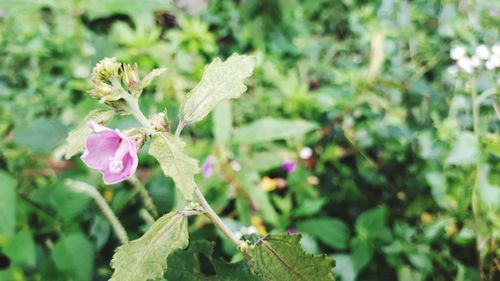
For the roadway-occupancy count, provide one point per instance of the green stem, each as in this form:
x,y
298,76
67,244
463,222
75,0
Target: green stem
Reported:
x,y
180,126
218,222
477,181
146,198
133,104
91,191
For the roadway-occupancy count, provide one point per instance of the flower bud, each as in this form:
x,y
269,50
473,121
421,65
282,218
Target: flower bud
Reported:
x,y
106,70
138,135
131,79
160,122
102,91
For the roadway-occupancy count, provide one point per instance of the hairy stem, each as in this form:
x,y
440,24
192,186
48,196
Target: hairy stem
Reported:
x,y
476,102
180,126
146,198
217,221
133,104
91,191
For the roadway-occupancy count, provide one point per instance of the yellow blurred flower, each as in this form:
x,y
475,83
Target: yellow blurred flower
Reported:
x,y
259,225
426,217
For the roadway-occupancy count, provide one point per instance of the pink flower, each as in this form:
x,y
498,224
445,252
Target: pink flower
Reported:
x,y
111,153
208,167
288,166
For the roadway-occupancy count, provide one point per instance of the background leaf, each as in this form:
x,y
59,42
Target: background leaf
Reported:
x,y
74,255
372,224
169,151
280,257
146,258
220,81
465,150
7,204
332,232
270,129
21,249
40,135
196,264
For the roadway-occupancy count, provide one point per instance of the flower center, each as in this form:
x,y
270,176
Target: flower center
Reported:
x,y
115,166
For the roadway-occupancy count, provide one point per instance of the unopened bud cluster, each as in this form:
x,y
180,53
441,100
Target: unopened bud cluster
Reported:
x,y
109,76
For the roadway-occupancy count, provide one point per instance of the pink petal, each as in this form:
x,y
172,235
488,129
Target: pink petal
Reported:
x,y
100,147
98,128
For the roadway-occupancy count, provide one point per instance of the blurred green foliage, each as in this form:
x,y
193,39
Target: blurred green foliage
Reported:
x,y
388,192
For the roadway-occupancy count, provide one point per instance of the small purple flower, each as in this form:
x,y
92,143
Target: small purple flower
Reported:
x,y
207,170
110,152
289,166
293,231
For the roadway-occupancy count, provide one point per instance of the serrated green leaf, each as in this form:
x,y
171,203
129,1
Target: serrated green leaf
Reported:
x,y
220,81
76,138
281,258
332,232
146,258
169,151
7,204
270,129
191,264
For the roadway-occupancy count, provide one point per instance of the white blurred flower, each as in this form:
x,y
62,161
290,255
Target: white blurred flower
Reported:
x,y
475,61
457,53
235,166
305,153
245,231
496,49
493,62
482,52
453,70
465,64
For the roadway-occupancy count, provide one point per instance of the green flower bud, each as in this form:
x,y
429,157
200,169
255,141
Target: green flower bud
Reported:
x,y
106,70
131,79
103,91
160,122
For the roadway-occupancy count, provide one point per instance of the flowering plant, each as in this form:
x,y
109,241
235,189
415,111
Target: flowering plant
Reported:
x,y
114,154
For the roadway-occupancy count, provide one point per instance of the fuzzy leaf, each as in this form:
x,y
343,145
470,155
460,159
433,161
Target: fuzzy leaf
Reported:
x,y
169,151
270,129
151,76
76,138
220,81
146,258
281,258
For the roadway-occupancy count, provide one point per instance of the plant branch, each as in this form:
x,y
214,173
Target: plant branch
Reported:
x,y
217,221
91,191
133,104
179,128
146,198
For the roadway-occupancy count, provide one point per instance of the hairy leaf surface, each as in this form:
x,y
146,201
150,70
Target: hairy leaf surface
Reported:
x,y
169,151
281,258
146,258
220,81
